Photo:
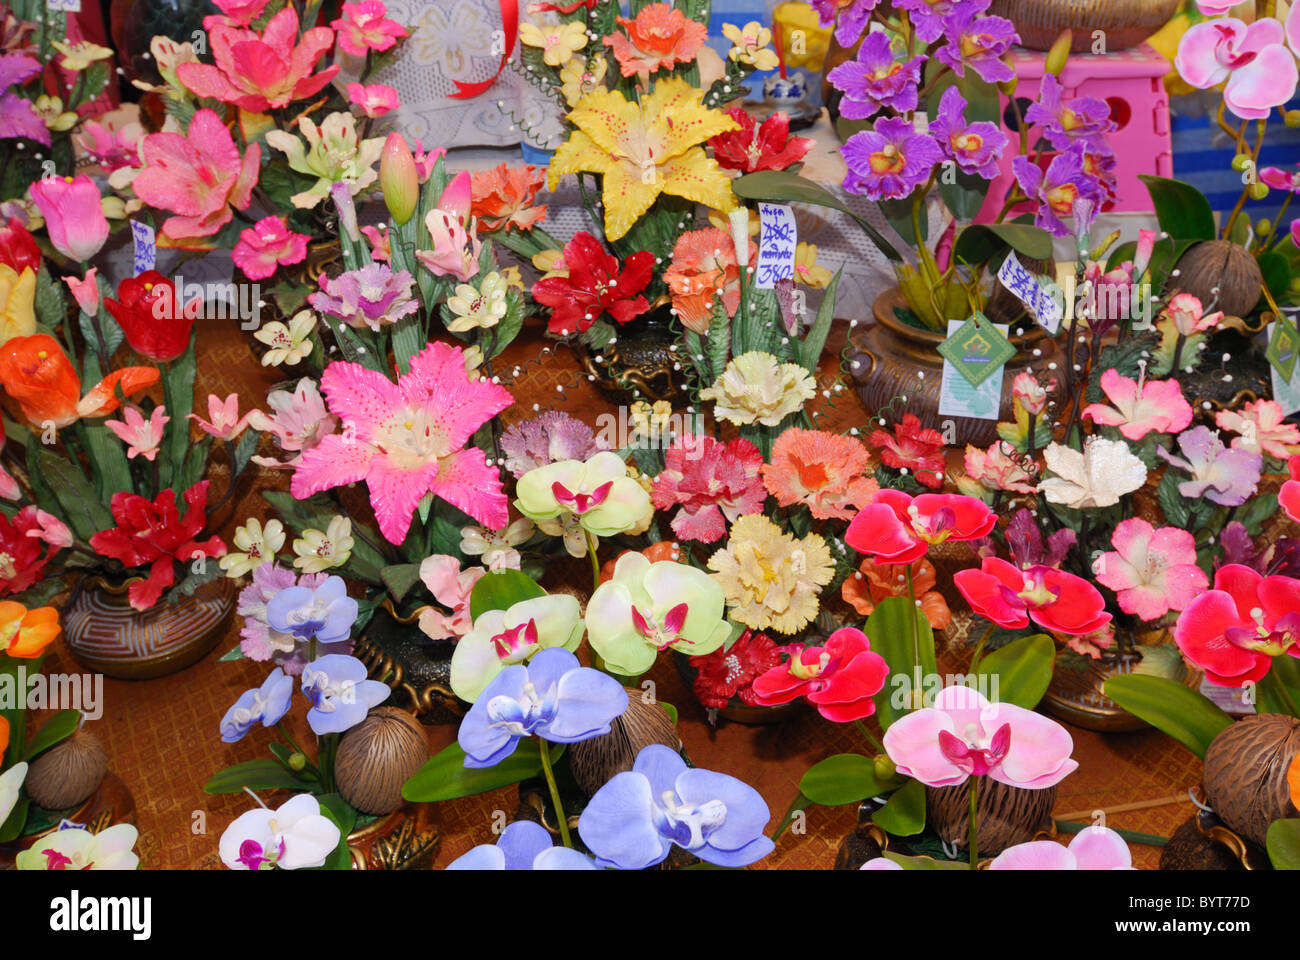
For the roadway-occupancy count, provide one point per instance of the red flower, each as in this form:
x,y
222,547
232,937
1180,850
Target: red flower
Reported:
x,y
18,247
754,147
839,678
1289,495
153,533
728,672
595,285
155,325
1234,631
21,563
1053,599
909,447
897,528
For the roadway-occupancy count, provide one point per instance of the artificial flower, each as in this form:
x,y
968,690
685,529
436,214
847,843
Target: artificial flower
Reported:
x,y
557,41
85,291
374,99
481,308
380,250
256,544
335,153
1260,72
18,248
1030,393
497,547
365,26
338,690
501,638
838,677
266,705
1226,476
293,836
595,284
1053,599
266,246
849,17
771,578
452,587
37,374
1234,630
1289,496
289,344
1065,121
714,483
142,437
911,448
9,489
549,437
754,146
235,13
1189,316
258,640
50,110
874,79
898,528
78,56
74,847
821,470
323,612
1141,406
730,670
657,38
73,214
17,302
1096,477
756,387
371,296
1151,571
598,494
1262,428
749,45
996,468
1093,848
806,269
977,42
21,560
889,161
317,551
503,197
875,582
975,147
454,234
299,420
26,633
1280,179
523,845
704,271
1058,191
409,438
153,320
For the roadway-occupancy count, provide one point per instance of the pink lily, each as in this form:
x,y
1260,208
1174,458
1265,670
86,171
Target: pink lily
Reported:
x,y
1260,71
86,291
1189,316
1141,406
451,587
374,99
263,247
198,176
963,735
48,528
1146,246
299,421
365,26
74,215
379,249
1093,848
1151,571
226,422
426,160
141,436
408,438
1263,429
456,245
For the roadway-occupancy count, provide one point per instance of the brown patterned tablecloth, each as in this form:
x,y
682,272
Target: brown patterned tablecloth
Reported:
x,y
162,739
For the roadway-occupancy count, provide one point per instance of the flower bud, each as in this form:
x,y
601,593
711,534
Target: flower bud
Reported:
x,y
297,761
397,178
1258,191
1291,118
1059,55
739,219
885,769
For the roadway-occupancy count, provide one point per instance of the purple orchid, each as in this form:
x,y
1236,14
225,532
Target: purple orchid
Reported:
x,y
974,146
1058,191
928,15
523,845
1227,476
979,43
549,438
324,613
1280,558
264,705
890,161
1028,549
370,296
849,17
875,80
553,697
1065,121
633,820
339,692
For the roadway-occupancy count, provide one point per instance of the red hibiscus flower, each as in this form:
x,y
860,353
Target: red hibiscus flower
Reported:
x,y
18,248
21,563
153,533
729,671
155,325
1053,599
898,528
1234,631
908,447
595,285
839,678
768,146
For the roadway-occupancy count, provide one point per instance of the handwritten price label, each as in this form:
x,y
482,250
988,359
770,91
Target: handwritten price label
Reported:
x,y
778,239
1043,301
63,6
144,247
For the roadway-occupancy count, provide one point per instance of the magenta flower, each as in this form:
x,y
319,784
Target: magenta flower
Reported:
x,y
226,423
235,13
1226,477
370,296
974,146
18,118
266,245
963,735
977,42
1279,179
365,26
1151,571
875,80
198,176
548,438
74,214
1011,597
713,482
374,99
928,15
1259,70
1234,631
896,528
1093,848
141,436
1140,406
849,17
1263,429
1065,121
1028,547
409,438
1058,191
890,161
299,420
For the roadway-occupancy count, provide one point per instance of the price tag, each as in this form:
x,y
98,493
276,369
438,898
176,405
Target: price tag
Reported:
x,y
1041,296
778,240
1286,392
959,396
63,6
144,247
1284,346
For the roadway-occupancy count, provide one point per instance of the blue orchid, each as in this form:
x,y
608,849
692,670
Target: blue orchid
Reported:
x,y
325,613
553,697
339,692
265,705
634,819
523,845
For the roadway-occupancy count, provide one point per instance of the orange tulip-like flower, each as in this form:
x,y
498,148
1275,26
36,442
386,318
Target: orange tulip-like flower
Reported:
x,y
879,581
659,37
38,375
26,633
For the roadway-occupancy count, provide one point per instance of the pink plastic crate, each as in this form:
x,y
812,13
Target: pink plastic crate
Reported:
x,y
1131,81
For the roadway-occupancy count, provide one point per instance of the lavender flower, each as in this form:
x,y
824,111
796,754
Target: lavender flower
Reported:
x,y
875,80
974,146
339,692
928,15
523,845
1057,190
265,705
324,613
1226,476
548,438
890,161
370,296
258,640
979,43
1067,121
852,17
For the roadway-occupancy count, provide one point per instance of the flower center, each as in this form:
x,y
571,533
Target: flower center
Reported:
x,y
1036,592
517,644
520,717
580,503
972,757
689,825
658,636
937,527
1061,198
887,160
8,569
412,438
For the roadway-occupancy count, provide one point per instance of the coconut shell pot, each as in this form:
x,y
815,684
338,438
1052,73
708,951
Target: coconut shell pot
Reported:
x,y
593,762
1245,773
377,756
69,772
1222,275
1007,815
1125,23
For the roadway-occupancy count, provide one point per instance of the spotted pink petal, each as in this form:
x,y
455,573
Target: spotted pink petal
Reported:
x,y
360,398
437,377
335,461
395,492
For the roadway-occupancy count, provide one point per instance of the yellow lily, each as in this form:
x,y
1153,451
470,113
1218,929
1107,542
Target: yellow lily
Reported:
x,y
17,296
643,150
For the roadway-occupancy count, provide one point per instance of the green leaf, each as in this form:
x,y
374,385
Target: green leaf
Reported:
x,y
1280,683
1023,669
1182,210
340,812
1182,713
263,773
55,730
244,450
809,350
14,823
179,384
1276,270
234,653
843,778
890,630
48,300
925,863
904,814
1283,842
83,511
981,243
501,590
1177,511
400,578
444,776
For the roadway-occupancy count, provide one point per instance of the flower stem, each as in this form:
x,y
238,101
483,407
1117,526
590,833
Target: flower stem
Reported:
x,y
543,748
973,834
916,629
871,739
595,563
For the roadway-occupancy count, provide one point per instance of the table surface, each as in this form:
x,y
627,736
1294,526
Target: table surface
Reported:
x,y
162,735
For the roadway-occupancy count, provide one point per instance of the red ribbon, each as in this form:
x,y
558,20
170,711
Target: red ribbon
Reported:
x,y
510,24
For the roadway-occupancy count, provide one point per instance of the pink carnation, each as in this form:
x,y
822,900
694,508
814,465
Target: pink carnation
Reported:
x,y
266,245
713,482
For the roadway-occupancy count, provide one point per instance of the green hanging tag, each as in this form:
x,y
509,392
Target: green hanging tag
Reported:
x,y
978,349
1284,346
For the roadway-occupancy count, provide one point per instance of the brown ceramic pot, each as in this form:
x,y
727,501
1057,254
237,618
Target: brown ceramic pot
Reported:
x,y
1126,23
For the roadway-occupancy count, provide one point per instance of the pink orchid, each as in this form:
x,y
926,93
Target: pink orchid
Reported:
x,y
374,99
408,438
997,469
378,243
1141,406
1011,597
226,422
74,214
963,735
897,528
237,13
266,245
1093,848
141,436
1146,246
1263,428
1189,316
1280,179
1260,71
1151,571
365,26
198,176
85,291
452,587
456,245
426,160
714,482
259,73
298,422
47,527
1289,496
1216,8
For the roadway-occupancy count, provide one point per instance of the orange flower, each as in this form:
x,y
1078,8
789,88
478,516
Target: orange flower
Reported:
x,y
704,262
38,375
876,582
822,470
26,633
659,37
501,198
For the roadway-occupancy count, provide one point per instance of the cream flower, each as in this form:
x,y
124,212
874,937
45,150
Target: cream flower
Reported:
x,y
289,344
1105,471
254,545
334,154
772,579
550,263
76,848
497,547
558,41
648,420
78,56
757,387
473,357
749,45
321,551
480,308
50,110
580,76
